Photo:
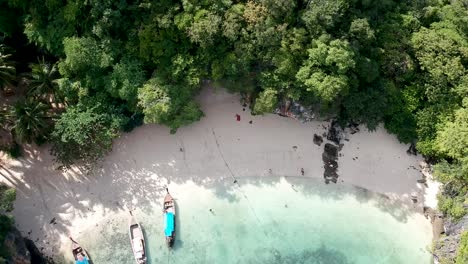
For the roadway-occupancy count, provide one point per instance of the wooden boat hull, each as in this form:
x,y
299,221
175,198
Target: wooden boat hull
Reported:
x,y
169,218
137,240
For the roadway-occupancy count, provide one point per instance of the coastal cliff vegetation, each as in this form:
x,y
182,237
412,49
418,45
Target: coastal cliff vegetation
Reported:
x,y
78,73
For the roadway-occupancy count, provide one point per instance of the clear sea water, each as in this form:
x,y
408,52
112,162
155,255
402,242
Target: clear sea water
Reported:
x,y
271,220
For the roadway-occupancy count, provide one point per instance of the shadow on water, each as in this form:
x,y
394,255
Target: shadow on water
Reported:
x,y
396,208
311,187
322,255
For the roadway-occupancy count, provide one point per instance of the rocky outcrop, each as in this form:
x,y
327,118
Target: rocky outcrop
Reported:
x,y
22,250
297,111
445,248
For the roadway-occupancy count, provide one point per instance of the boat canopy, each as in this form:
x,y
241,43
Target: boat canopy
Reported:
x,y
169,229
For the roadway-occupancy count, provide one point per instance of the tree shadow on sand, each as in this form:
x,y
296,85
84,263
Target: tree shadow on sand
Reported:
x,y
130,179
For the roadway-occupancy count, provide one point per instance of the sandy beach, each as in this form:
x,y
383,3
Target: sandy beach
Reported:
x,y
52,204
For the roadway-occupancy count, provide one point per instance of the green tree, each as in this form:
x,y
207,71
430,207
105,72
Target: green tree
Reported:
x,y
168,104
321,15
233,22
326,71
204,28
83,134
7,197
362,31
441,51
452,137
124,80
452,142
266,101
84,57
462,252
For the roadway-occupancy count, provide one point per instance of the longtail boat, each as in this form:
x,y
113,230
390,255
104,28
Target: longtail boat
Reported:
x,y
169,219
137,240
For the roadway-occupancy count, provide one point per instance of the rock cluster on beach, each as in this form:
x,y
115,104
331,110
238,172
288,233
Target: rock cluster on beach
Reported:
x,y
331,150
330,163
296,111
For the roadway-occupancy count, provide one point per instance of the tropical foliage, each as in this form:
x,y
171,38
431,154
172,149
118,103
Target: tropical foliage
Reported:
x,y
7,197
43,81
114,63
7,68
462,253
31,120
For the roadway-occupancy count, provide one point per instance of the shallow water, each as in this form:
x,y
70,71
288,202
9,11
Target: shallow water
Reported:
x,y
273,220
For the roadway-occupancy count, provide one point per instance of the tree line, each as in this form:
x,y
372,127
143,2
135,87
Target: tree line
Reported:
x,y
96,68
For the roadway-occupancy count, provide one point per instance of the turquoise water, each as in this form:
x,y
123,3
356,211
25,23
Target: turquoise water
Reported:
x,y
274,220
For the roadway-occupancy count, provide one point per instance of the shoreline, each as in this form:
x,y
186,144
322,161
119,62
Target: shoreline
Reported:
x,y
217,148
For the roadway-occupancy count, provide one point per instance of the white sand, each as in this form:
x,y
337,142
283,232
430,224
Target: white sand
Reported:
x,y
144,161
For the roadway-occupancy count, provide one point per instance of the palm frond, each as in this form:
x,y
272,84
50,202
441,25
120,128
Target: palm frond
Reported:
x,y
7,68
43,80
30,120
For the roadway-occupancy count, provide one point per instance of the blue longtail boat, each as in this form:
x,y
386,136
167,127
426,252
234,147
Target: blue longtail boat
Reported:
x,y
169,219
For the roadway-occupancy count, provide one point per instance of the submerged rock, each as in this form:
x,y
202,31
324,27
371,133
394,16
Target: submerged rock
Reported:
x,y
412,150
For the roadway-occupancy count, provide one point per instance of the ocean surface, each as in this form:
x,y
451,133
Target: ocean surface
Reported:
x,y
270,220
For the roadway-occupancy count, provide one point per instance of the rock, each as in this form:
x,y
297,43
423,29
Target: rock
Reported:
x,y
445,247
454,228
437,227
330,162
295,110
318,140
423,181
335,132
412,150
353,128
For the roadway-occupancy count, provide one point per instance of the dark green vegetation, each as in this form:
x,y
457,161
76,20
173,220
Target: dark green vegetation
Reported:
x,y
7,197
110,65
462,253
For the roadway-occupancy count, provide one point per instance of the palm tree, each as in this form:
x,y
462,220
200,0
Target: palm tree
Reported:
x,y
43,81
7,68
30,119
6,139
